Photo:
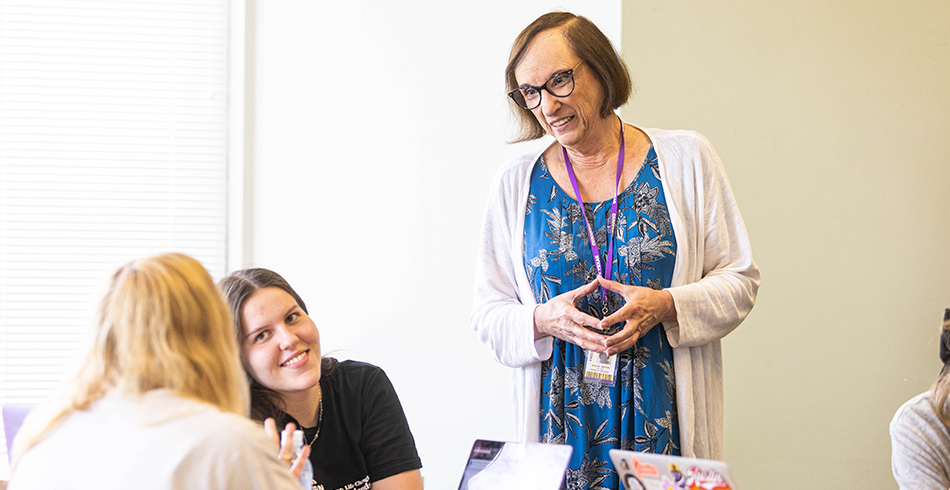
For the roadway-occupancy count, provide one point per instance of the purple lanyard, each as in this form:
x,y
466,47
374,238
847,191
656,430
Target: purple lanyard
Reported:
x,y
613,216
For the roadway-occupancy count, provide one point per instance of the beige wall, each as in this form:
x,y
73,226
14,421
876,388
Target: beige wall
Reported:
x,y
833,121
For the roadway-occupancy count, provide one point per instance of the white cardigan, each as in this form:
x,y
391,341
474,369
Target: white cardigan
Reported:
x,y
714,285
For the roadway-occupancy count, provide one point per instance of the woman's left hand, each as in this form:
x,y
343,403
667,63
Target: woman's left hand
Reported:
x,y
285,452
643,308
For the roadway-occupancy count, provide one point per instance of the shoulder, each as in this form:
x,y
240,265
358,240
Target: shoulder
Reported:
x,y
193,422
212,429
235,453
673,138
353,376
180,442
917,430
235,429
917,415
687,159
681,144
523,162
920,445
514,172
358,369
210,448
509,188
235,449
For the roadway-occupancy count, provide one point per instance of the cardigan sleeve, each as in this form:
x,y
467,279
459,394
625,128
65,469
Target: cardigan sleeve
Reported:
x,y
718,281
503,317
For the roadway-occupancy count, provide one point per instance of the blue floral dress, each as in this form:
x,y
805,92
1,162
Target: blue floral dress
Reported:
x,y
639,411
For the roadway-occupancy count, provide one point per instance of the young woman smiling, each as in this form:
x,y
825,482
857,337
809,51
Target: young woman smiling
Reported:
x,y
349,412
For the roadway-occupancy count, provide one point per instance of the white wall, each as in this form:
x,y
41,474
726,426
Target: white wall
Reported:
x,y
374,129
832,120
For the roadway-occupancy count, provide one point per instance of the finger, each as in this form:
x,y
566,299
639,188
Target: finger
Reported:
x,y
286,453
584,338
298,465
582,318
270,428
609,285
584,290
588,345
574,315
623,314
638,308
622,340
637,316
625,339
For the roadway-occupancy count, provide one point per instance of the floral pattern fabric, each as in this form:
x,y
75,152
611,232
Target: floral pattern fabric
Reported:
x,y
639,411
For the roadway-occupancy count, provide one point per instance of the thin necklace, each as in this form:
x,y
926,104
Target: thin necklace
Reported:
x,y
319,418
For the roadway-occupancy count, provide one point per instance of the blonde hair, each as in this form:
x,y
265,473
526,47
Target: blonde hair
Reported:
x,y
161,324
940,391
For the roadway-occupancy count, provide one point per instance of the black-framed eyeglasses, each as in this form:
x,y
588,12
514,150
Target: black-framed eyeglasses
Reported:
x,y
560,84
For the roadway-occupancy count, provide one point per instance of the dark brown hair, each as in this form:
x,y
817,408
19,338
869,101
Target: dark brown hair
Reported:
x,y
237,288
590,45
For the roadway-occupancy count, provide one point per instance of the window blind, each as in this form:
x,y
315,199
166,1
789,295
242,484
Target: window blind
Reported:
x,y
113,146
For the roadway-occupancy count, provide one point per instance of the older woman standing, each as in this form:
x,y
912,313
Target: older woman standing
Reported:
x,y
612,316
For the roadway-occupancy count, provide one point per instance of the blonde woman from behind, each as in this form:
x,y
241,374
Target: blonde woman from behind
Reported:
x,y
159,400
920,431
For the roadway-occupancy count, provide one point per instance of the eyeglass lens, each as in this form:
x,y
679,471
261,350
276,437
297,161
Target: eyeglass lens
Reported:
x,y
561,85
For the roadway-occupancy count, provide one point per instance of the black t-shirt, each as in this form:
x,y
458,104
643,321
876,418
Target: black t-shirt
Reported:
x,y
364,435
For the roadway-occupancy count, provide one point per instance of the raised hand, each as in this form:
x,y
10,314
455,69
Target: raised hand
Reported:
x,y
285,451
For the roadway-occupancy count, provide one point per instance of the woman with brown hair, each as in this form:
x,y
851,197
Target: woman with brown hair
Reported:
x,y
349,412
611,264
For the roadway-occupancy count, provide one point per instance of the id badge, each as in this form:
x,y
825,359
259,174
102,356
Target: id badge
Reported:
x,y
600,368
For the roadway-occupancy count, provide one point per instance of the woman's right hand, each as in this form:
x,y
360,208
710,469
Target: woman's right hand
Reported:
x,y
285,451
561,319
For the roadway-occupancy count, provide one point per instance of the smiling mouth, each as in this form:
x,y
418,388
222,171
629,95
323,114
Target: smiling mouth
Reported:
x,y
295,359
561,122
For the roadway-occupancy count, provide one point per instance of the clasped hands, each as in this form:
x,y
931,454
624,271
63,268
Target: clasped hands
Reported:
x,y
643,308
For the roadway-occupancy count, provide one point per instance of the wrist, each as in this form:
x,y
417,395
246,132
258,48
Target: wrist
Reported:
x,y
538,334
670,315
